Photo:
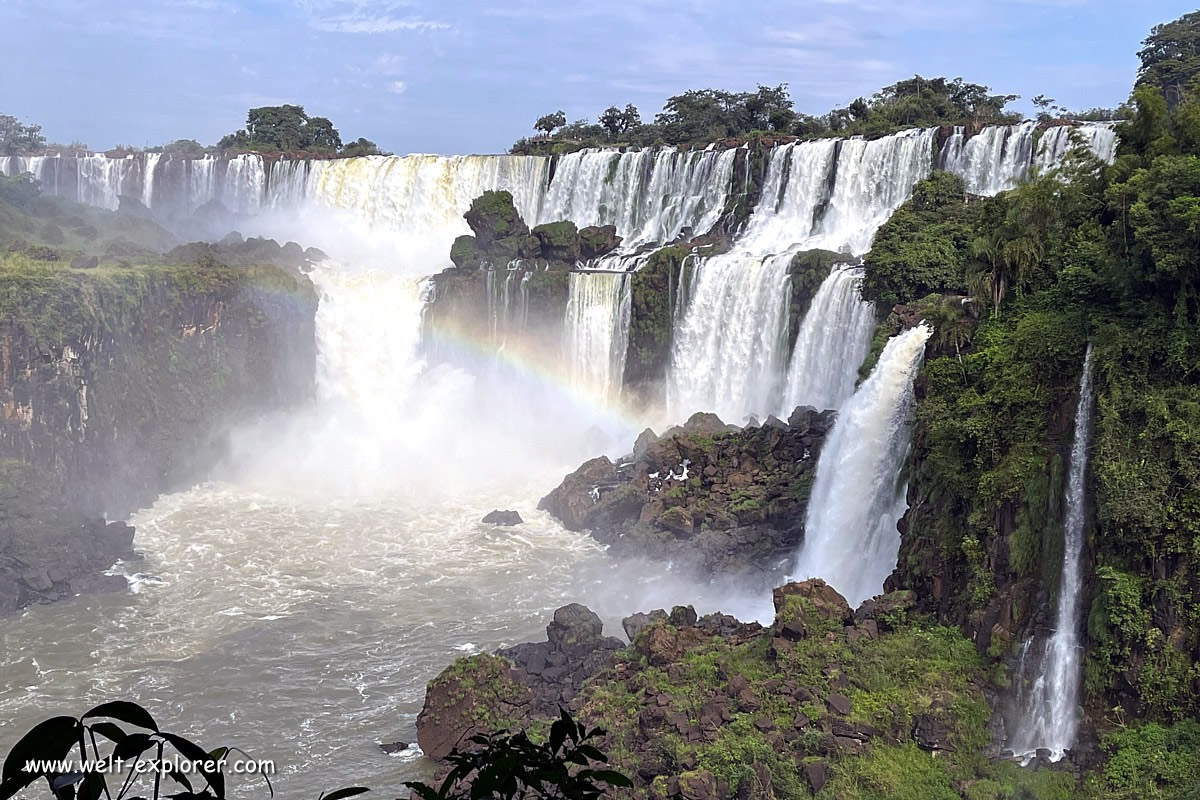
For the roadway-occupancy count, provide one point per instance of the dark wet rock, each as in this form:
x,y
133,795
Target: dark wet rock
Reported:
x,y
839,704
816,775
85,262
505,518
596,242
708,495
637,623
558,241
933,731
391,748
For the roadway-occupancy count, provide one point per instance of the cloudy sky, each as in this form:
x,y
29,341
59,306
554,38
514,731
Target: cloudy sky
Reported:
x,y
462,76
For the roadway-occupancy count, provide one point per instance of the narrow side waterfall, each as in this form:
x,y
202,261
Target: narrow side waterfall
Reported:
x,y
507,303
597,332
832,342
850,537
1049,707
729,348
1099,137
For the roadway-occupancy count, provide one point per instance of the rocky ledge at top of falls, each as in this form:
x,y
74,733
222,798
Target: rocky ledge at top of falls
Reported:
x,y
724,499
713,708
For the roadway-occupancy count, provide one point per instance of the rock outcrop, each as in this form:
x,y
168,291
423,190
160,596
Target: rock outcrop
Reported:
x,y
47,552
710,707
728,500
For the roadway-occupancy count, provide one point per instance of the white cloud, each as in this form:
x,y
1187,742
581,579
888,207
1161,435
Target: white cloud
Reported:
x,y
397,87
354,23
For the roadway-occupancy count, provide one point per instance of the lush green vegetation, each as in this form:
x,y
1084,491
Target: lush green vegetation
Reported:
x,y
1106,255
17,138
700,116
290,129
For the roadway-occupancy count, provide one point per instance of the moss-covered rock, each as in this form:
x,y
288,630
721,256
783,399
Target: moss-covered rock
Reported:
x,y
598,241
493,216
464,253
475,695
559,241
708,495
714,708
654,292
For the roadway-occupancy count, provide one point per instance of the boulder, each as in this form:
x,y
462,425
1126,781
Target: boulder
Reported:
x,y
637,623
473,695
505,518
391,748
85,262
596,242
558,241
493,216
574,625
816,774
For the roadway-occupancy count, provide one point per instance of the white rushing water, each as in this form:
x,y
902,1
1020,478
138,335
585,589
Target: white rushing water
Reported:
x,y
832,342
850,536
730,350
995,159
297,605
649,195
1049,707
597,331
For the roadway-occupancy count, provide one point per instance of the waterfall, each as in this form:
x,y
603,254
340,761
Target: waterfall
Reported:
x,y
728,353
993,160
597,331
507,302
832,342
1049,715
850,537
1056,142
649,195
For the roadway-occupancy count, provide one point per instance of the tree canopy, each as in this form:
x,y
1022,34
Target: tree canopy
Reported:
x,y
1170,57
17,138
289,128
706,115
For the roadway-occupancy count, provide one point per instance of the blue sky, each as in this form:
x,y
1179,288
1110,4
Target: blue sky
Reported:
x,y
462,76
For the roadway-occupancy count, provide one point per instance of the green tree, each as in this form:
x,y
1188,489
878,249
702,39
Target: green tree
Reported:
x,y
550,123
319,134
17,138
1170,58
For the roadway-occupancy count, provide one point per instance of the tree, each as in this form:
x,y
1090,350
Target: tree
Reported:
x,y
17,138
618,122
362,147
550,123
1170,57
319,134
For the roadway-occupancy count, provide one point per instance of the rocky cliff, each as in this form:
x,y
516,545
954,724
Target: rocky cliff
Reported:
x,y
119,382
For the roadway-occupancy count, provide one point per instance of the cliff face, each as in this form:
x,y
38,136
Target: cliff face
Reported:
x,y
118,384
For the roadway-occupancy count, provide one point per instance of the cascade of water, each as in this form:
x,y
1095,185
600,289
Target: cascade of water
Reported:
x,y
245,184
993,160
728,351
832,342
149,165
1056,142
507,302
850,537
649,195
729,347
1049,715
597,331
